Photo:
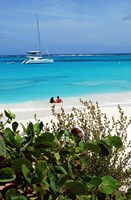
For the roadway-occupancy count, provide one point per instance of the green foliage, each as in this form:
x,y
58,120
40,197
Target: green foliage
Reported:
x,y
62,161
7,174
108,185
103,136
2,147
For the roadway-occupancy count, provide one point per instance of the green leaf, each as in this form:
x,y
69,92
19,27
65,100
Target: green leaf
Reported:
x,y
129,190
14,126
64,198
53,181
93,147
104,149
62,179
2,147
38,127
128,194
17,164
23,127
70,171
96,181
57,156
84,161
10,193
41,169
87,197
7,174
18,141
107,143
9,137
46,139
116,141
81,145
30,129
60,170
21,197
119,196
76,187
108,185
26,173
60,134
9,114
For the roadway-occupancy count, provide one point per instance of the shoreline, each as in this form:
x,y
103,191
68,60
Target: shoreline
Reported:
x,y
108,104
43,108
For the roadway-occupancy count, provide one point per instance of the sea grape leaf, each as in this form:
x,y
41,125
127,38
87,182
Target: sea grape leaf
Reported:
x,y
76,187
116,141
87,197
84,161
96,181
64,198
60,170
107,143
41,169
10,193
30,129
7,174
17,164
53,181
60,134
9,114
26,173
38,127
81,145
20,197
104,149
15,126
9,136
62,179
24,128
93,147
18,141
70,171
2,147
108,185
57,156
46,139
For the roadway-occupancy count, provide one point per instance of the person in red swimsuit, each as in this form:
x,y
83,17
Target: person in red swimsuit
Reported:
x,y
59,100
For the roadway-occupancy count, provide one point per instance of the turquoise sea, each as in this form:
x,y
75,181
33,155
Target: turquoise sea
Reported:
x,y
69,75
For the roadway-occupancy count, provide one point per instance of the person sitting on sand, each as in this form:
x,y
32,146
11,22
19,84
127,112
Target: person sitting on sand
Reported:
x,y
52,100
59,100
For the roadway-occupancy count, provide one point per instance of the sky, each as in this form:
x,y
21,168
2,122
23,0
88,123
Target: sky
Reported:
x,y
66,26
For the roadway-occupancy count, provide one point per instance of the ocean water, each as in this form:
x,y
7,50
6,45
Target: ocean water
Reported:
x,y
69,75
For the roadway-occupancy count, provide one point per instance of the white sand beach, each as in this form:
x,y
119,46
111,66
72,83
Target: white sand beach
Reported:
x,y
108,104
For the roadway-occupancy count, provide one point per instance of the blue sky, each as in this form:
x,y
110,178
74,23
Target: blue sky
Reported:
x,y
66,26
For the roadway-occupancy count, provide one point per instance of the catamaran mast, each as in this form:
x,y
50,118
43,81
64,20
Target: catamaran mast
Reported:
x,y
38,29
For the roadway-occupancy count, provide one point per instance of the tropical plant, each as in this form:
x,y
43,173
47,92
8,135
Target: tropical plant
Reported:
x,y
53,162
95,125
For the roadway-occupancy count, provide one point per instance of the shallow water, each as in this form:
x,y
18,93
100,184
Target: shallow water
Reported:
x,y
69,75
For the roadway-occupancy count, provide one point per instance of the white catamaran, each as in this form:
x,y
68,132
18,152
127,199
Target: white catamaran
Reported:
x,y
35,57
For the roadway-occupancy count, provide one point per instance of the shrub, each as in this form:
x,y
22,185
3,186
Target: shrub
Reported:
x,y
95,125
72,158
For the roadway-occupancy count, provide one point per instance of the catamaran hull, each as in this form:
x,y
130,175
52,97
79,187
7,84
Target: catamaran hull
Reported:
x,y
42,61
